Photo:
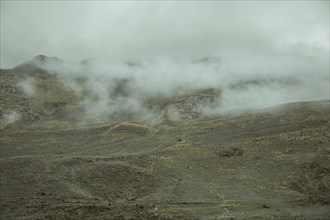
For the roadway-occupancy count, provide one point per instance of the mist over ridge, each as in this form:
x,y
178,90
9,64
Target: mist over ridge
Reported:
x,y
164,110
250,54
239,82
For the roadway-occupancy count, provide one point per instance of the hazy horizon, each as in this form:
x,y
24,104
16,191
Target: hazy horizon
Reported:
x,y
133,30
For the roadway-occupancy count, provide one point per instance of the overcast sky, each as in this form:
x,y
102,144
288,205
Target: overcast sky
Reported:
x,y
136,30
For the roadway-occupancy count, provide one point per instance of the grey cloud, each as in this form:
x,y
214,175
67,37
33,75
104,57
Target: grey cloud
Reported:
x,y
138,30
268,52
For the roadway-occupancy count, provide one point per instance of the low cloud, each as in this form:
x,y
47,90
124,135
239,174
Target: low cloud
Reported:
x,y
10,116
27,86
243,81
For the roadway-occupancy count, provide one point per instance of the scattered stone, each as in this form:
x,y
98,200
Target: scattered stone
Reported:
x,y
190,106
233,152
266,206
33,115
8,87
313,181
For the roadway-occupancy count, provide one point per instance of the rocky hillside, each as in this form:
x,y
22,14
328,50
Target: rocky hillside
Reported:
x,y
72,149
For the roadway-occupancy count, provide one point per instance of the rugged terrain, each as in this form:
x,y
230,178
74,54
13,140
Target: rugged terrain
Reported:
x,y
180,164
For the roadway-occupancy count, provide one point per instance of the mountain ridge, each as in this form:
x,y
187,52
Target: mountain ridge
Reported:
x,y
168,156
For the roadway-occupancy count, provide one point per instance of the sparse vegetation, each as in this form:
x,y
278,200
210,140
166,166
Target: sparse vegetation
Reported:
x,y
176,163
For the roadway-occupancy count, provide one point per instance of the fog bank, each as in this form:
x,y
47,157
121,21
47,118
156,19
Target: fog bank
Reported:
x,y
243,81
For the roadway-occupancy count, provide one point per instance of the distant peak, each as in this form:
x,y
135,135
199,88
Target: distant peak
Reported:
x,y
43,58
37,61
207,60
40,58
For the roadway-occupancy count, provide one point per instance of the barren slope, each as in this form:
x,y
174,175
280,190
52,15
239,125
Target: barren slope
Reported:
x,y
273,163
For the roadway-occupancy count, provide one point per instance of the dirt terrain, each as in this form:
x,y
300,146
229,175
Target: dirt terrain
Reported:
x,y
267,164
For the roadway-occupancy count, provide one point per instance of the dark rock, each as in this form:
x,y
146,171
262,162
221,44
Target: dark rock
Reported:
x,y
235,151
